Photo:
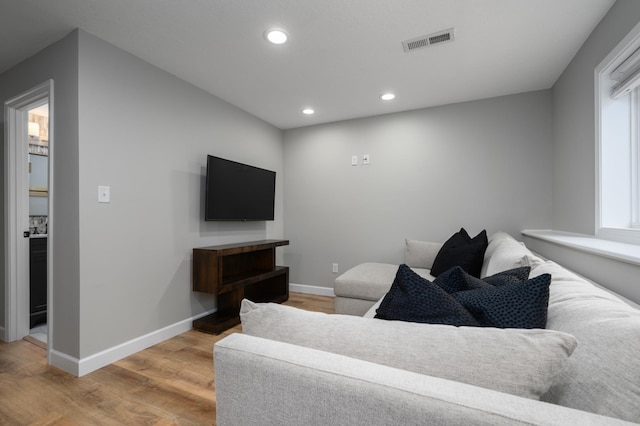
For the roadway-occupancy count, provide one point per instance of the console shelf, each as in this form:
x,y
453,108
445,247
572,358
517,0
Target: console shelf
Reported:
x,y
234,272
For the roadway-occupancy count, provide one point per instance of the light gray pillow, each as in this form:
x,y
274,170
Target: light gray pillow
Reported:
x,y
504,253
420,254
520,362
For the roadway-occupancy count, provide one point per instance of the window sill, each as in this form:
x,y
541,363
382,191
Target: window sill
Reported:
x,y
624,252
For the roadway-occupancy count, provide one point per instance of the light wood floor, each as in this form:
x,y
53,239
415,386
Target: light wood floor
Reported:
x,y
171,383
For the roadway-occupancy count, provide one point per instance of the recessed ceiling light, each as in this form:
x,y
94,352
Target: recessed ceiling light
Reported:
x,y
387,96
276,35
308,111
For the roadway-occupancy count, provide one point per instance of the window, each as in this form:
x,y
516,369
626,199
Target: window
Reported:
x,y
617,84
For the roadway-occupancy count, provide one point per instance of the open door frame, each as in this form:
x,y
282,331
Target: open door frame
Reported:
x,y
16,202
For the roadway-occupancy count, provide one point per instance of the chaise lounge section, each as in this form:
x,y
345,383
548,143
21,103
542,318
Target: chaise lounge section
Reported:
x,y
359,288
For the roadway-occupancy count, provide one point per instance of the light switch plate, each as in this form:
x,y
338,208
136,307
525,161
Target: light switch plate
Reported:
x,y
104,194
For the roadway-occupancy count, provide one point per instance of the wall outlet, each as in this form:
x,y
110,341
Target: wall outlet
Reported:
x,y
334,268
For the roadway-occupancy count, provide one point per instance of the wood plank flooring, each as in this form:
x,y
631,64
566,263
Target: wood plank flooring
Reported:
x,y
171,383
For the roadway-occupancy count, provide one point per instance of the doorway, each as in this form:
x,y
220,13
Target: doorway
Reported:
x,y
28,208
38,139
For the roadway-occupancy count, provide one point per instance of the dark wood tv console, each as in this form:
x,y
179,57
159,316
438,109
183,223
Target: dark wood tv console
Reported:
x,y
237,271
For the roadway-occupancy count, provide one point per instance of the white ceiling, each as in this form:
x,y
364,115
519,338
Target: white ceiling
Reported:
x,y
341,55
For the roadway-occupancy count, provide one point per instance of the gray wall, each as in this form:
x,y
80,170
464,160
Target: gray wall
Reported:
x,y
123,269
482,164
574,160
146,134
60,63
574,143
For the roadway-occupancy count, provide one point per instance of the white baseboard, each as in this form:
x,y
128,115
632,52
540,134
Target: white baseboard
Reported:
x,y
80,367
64,362
311,289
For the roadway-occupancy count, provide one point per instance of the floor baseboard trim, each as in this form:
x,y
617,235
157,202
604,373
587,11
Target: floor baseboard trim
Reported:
x,y
311,289
64,362
80,367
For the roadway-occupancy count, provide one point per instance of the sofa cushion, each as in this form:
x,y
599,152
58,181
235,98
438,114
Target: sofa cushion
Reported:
x,y
521,304
413,298
420,254
461,250
603,375
520,362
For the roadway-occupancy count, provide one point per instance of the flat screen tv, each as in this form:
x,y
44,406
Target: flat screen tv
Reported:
x,y
236,191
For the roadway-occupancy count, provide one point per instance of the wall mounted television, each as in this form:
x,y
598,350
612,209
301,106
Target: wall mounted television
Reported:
x,y
238,192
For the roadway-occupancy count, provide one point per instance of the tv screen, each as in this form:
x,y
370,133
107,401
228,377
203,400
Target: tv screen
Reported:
x,y
236,191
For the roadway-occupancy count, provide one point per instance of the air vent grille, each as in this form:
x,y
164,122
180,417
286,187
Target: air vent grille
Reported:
x,y
428,40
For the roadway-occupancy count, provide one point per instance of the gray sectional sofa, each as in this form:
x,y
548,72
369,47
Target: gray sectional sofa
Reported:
x,y
296,367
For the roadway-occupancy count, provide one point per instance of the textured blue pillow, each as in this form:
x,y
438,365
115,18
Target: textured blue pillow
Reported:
x,y
461,250
416,299
509,276
456,279
521,304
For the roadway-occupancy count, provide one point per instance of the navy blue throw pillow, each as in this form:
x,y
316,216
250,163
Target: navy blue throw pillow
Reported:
x,y
456,279
520,304
508,277
461,250
416,299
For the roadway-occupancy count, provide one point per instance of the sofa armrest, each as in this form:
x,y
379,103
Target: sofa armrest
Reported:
x,y
265,382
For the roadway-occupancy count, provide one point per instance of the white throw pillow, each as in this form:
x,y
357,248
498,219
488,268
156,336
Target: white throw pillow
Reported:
x,y
520,362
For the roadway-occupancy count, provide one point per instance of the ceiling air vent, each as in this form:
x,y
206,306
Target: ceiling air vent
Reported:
x,y
440,37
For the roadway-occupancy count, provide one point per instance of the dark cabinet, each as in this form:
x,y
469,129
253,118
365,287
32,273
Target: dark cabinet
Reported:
x,y
237,271
38,281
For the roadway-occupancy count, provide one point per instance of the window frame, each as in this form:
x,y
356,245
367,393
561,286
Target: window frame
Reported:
x,y
635,157
602,90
